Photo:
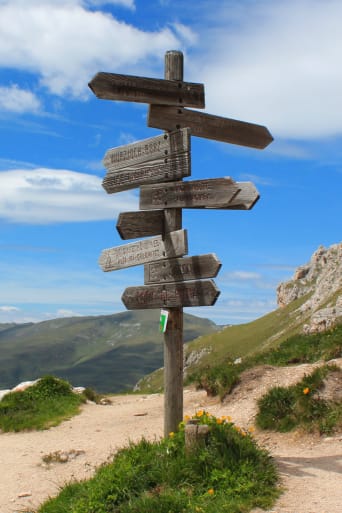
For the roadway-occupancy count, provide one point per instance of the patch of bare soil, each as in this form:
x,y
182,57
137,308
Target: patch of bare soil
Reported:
x,y
34,465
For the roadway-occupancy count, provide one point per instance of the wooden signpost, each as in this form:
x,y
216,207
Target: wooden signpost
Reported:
x,y
163,158
215,192
182,269
147,250
171,295
111,86
157,165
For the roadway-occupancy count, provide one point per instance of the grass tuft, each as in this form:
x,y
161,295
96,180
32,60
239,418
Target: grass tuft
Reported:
x,y
229,473
45,404
302,405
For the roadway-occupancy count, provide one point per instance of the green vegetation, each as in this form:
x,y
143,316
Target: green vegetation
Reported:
x,y
302,405
45,404
108,353
220,379
228,473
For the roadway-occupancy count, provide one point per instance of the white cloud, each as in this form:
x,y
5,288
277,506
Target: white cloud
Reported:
x,y
15,99
276,63
243,275
66,44
9,309
124,3
43,196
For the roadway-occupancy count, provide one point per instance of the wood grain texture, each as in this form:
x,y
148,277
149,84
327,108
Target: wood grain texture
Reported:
x,y
215,192
132,225
209,126
245,199
148,250
182,269
191,293
113,86
158,159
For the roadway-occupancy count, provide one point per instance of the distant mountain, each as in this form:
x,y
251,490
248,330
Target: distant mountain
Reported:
x,y
311,301
108,353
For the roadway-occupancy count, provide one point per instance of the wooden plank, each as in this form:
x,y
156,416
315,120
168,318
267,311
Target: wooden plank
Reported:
x,y
209,126
169,295
182,269
157,159
132,225
113,86
148,250
215,192
245,199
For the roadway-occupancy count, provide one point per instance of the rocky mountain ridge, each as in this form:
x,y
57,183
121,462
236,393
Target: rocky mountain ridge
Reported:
x,y
321,281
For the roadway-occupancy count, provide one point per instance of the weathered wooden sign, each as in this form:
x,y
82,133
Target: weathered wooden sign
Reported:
x,y
182,269
112,86
162,158
209,126
148,250
245,199
171,295
215,192
143,223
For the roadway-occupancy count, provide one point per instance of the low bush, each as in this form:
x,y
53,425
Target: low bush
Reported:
x,y
40,406
229,473
301,405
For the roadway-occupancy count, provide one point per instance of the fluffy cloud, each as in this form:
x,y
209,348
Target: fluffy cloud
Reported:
x,y
43,196
65,43
14,99
8,309
275,63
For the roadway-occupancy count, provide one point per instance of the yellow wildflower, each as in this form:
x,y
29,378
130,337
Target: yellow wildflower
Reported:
x,y
219,421
200,413
211,491
171,435
306,391
186,418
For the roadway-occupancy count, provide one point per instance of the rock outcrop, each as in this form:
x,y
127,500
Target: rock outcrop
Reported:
x,y
320,282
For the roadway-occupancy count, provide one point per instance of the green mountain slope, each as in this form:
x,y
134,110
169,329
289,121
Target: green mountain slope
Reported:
x,y
109,353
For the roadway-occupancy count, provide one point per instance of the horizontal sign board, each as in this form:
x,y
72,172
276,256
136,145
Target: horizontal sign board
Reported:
x,y
245,199
175,295
182,269
111,86
157,159
215,192
148,250
132,225
209,126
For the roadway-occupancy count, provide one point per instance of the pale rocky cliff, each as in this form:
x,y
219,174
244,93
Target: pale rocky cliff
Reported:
x,y
321,281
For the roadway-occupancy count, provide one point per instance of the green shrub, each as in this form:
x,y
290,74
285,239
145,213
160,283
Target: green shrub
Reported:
x,y
218,380
40,406
301,405
229,474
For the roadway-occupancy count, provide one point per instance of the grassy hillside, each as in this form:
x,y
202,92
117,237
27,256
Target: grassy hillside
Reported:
x,y
108,353
237,341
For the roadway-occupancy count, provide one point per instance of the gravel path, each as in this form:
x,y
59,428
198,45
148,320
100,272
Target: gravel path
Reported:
x,y
310,467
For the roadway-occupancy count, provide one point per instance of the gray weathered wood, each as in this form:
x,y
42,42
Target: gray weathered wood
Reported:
x,y
143,223
209,126
144,251
157,159
182,269
112,86
173,337
195,194
245,199
189,293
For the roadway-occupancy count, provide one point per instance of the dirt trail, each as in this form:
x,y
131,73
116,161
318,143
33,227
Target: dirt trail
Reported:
x,y
310,467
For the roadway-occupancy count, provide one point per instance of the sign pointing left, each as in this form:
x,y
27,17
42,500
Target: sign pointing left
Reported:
x,y
111,86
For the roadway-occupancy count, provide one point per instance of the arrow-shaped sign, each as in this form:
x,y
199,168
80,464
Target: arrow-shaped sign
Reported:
x,y
170,295
111,86
148,250
214,192
182,269
245,199
209,126
157,159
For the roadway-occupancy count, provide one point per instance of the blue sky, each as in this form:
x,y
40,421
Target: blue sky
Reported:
x,y
275,63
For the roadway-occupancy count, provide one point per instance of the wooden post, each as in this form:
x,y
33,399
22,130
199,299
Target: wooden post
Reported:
x,y
173,337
